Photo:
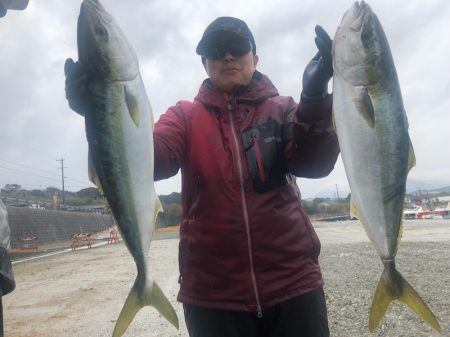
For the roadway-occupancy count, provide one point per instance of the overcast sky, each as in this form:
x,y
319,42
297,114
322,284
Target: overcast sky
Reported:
x,y
37,127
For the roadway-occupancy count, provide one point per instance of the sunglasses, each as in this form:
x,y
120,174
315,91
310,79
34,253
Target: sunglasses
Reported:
x,y
235,48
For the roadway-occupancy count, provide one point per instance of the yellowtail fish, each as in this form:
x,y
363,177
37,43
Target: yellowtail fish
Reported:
x,y
372,129
119,129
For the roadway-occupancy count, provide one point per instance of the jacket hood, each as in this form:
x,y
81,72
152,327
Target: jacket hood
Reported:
x,y
259,89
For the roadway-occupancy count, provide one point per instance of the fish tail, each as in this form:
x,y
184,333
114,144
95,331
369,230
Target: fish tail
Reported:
x,y
160,302
392,286
152,296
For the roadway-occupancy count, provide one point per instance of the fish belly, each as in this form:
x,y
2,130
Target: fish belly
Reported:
x,y
362,147
122,154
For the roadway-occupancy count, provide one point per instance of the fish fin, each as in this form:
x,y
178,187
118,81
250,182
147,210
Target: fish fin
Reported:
x,y
137,299
354,213
392,286
411,156
160,302
354,210
158,217
364,105
333,119
158,209
92,173
130,308
132,103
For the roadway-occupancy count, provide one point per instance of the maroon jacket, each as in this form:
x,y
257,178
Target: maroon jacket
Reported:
x,y
245,240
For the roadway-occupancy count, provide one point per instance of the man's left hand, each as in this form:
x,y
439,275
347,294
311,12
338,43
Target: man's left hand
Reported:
x,y
319,70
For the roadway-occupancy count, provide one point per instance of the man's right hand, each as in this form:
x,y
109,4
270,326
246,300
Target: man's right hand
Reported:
x,y
76,86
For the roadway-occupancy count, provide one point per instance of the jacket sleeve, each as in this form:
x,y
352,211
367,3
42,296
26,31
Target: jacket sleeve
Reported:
x,y
169,137
313,149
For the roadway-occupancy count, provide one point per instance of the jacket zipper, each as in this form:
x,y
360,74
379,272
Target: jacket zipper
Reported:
x,y
244,207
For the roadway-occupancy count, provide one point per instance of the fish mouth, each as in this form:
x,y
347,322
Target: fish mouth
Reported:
x,y
92,20
359,11
93,10
95,4
93,7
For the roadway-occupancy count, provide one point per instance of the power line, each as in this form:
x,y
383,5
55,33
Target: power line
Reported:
x,y
38,175
73,182
34,174
30,167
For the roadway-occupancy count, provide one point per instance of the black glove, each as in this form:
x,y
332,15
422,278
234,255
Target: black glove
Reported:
x,y
76,86
319,70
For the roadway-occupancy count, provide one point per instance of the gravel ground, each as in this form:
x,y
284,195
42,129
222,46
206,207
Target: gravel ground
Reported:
x,y
351,273
81,293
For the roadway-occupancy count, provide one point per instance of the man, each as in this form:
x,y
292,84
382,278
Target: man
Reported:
x,y
7,282
248,254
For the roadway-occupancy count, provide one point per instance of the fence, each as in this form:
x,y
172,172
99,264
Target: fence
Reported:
x,y
34,230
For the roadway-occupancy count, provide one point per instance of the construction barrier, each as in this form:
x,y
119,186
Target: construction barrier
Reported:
x,y
35,230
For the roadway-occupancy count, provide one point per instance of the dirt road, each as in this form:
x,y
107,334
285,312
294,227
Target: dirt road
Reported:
x,y
81,293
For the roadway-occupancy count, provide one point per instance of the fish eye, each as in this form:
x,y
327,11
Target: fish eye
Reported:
x,y
100,30
367,33
366,38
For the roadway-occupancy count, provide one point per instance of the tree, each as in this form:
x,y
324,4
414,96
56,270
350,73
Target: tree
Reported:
x,y
38,193
172,198
89,193
11,188
310,207
53,190
171,215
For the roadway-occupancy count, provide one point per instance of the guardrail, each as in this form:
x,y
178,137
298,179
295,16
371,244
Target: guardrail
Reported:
x,y
337,218
101,209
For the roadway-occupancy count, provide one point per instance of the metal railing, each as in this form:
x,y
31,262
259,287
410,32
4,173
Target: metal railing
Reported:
x,y
101,209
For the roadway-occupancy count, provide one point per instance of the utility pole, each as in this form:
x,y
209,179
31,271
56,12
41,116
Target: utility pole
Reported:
x,y
62,177
337,193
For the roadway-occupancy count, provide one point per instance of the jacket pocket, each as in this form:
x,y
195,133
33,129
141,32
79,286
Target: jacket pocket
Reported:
x,y
263,145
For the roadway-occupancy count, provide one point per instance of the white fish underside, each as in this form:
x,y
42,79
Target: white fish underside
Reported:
x,y
375,159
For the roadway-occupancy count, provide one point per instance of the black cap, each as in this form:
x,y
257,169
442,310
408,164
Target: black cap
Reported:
x,y
225,28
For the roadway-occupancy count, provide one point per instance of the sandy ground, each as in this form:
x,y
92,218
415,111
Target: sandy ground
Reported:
x,y
81,293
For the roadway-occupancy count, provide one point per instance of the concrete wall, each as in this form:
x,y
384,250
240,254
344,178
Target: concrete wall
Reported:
x,y
52,225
